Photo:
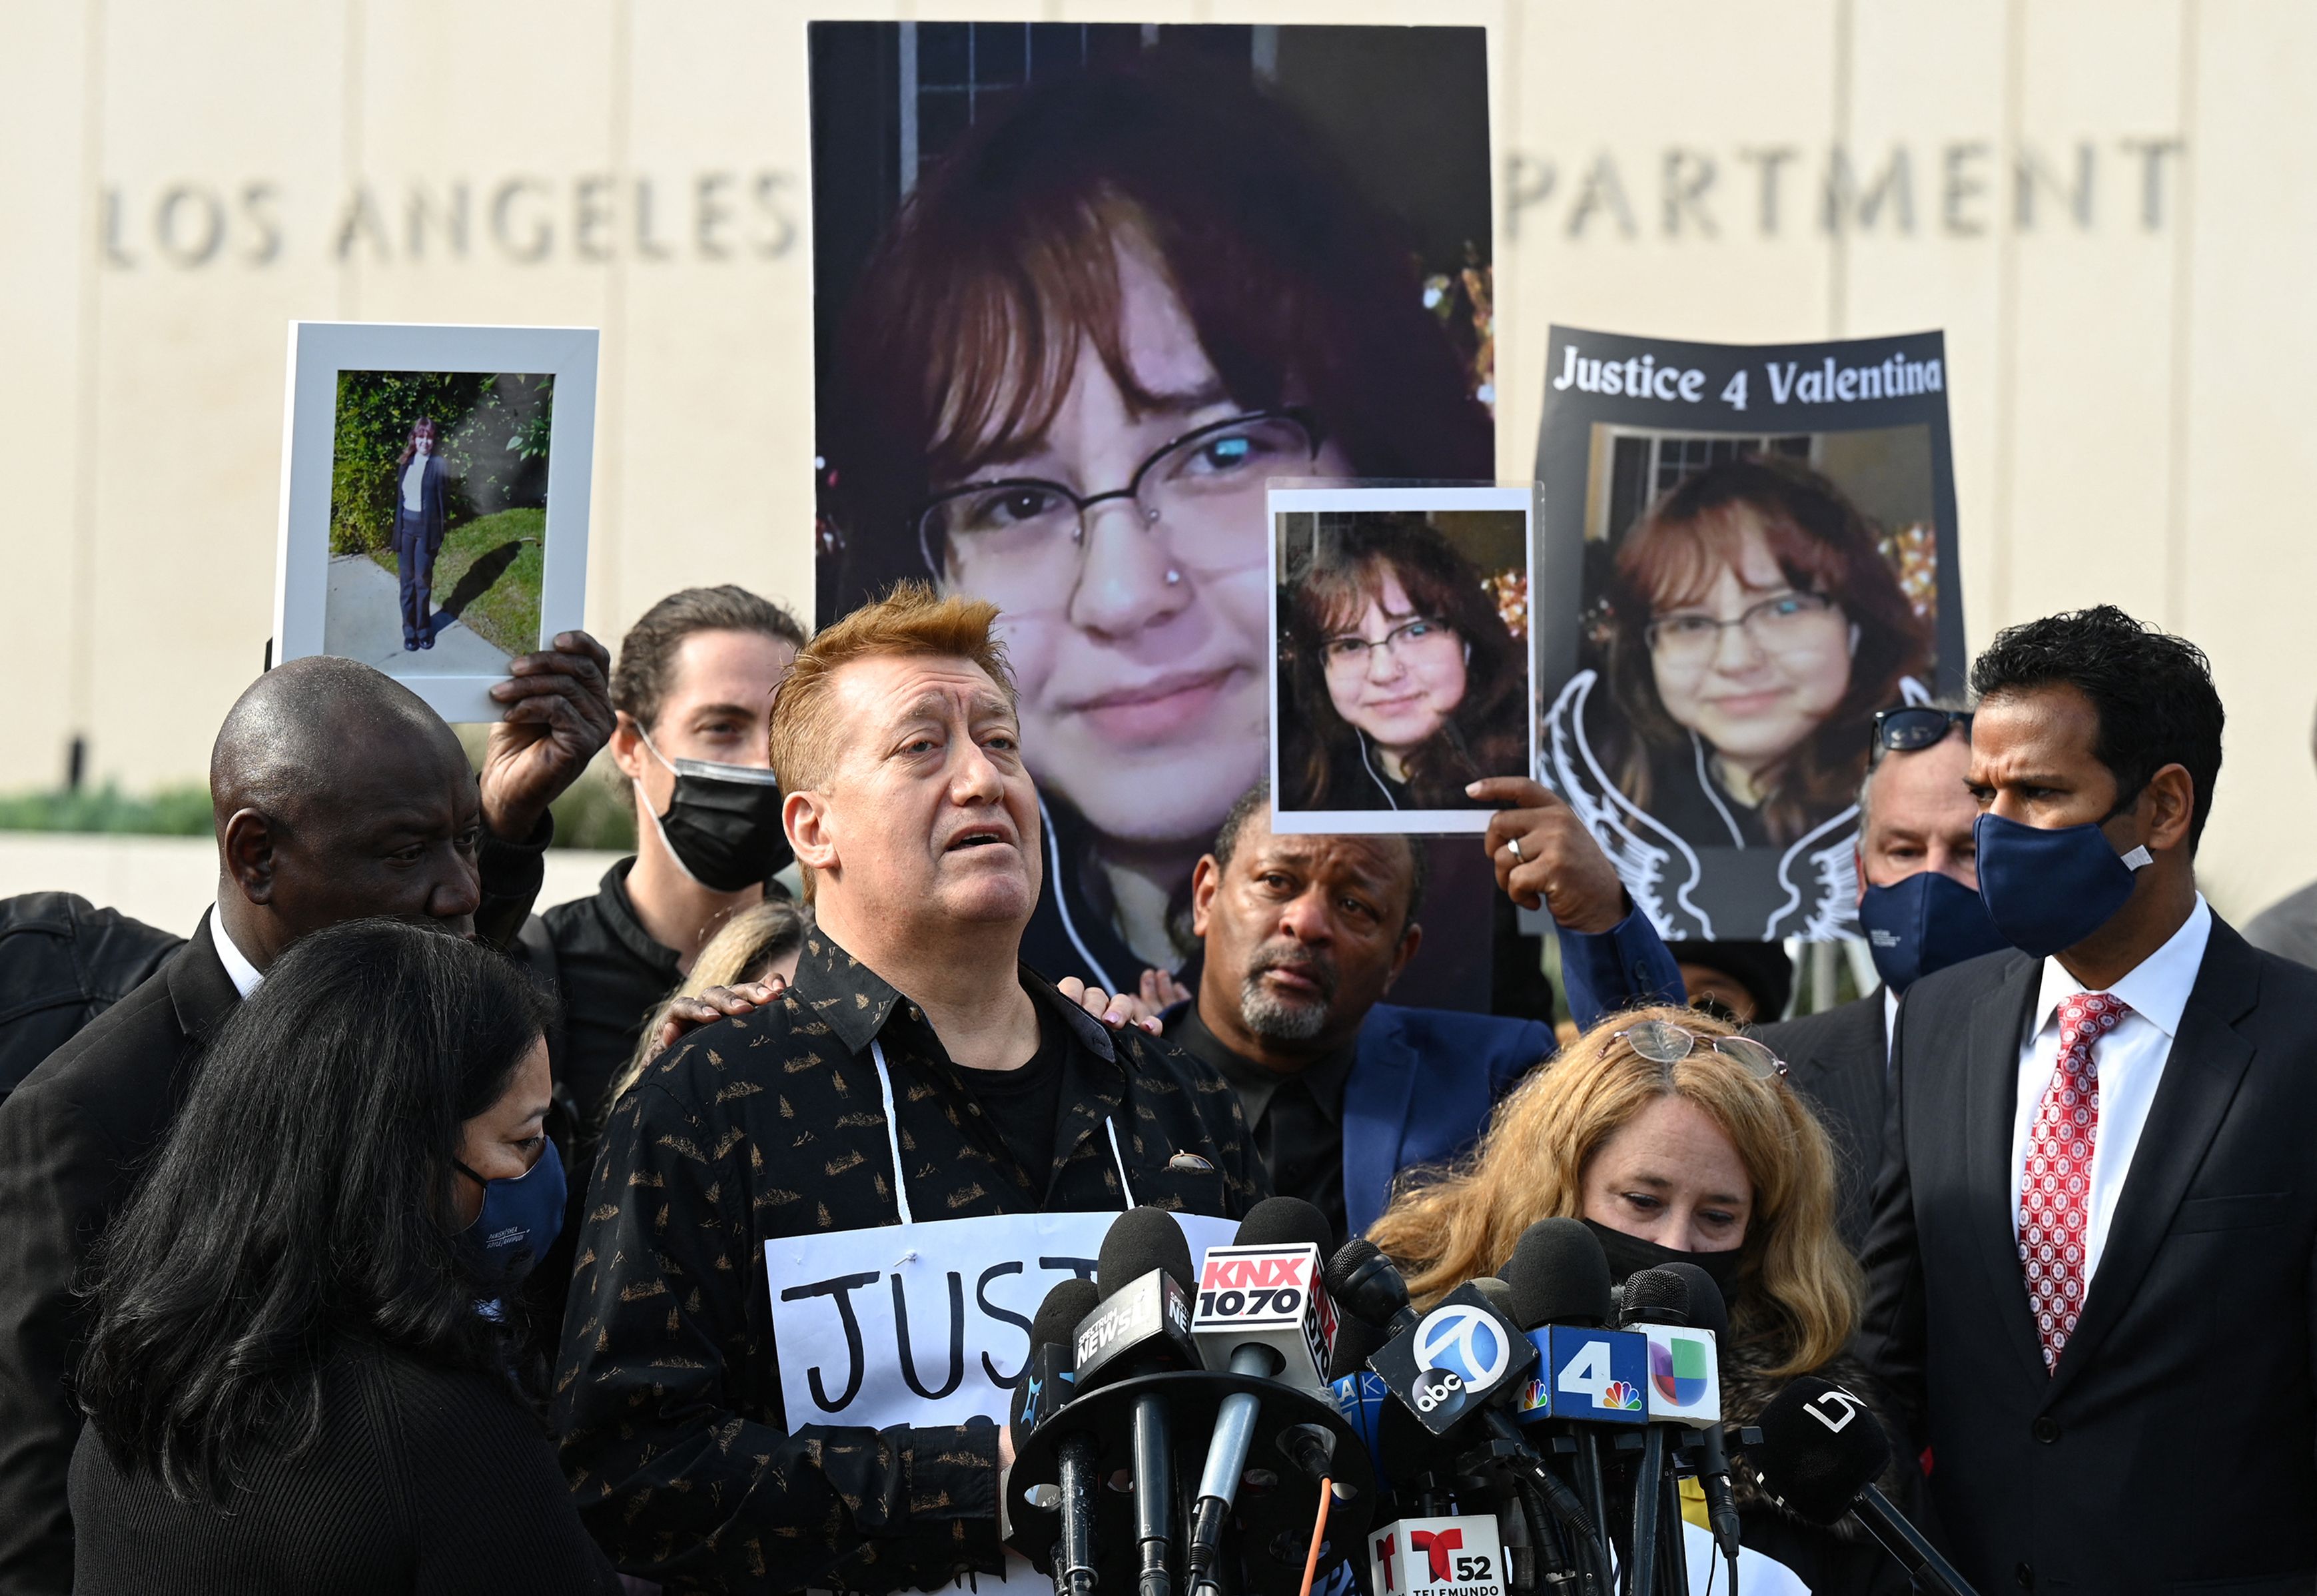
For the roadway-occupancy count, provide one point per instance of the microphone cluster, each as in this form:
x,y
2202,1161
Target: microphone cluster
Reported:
x,y
1525,1435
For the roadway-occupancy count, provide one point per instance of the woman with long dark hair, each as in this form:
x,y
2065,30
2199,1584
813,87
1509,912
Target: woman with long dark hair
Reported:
x,y
300,1374
1403,684
1092,334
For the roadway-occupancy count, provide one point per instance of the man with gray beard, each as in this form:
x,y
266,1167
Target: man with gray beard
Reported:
x,y
1304,936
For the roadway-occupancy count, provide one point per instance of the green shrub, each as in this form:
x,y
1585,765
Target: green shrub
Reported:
x,y
169,812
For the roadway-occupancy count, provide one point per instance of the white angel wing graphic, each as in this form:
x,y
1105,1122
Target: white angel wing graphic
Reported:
x,y
1657,867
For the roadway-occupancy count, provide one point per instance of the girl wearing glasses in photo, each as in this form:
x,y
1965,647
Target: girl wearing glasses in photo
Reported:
x,y
1403,682
1674,1138
1754,631
1093,333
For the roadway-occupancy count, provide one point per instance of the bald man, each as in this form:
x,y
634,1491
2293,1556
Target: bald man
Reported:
x,y
337,795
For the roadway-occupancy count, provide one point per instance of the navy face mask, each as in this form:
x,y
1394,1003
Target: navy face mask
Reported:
x,y
520,1219
1923,923
2048,890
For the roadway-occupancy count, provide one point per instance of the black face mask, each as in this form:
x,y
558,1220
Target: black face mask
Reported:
x,y
1629,1255
722,824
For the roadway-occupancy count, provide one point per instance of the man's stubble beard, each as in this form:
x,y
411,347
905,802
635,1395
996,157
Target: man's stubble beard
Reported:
x,y
1266,1016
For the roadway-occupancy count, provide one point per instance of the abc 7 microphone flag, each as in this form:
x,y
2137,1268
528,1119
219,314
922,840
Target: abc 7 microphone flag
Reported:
x,y
1455,1360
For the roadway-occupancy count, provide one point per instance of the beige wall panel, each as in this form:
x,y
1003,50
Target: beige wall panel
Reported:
x,y
1718,80
1929,78
190,357
714,479
2251,562
43,255
2092,355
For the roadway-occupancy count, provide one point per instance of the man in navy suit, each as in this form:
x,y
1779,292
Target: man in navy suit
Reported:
x,y
1304,938
421,508
2090,1270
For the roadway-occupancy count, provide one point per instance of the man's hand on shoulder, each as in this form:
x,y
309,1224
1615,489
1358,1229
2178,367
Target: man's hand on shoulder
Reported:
x,y
1544,856
559,716
717,1002
1116,1010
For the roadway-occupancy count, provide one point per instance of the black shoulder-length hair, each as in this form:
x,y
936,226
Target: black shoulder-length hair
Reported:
x,y
304,1195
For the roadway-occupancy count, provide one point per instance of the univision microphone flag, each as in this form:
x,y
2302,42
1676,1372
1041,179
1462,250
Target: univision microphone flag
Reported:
x,y
1685,1382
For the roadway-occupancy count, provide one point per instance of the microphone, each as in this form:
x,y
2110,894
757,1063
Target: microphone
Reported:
x,y
1559,1280
1143,1326
1820,1454
1048,1379
1684,1386
1367,1285
1262,1311
1712,1315
1045,1389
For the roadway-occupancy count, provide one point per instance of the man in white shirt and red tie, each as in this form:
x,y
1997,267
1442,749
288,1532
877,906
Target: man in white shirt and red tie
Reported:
x,y
2090,1266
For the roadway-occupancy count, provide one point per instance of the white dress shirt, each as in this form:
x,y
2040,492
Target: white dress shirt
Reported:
x,y
238,968
413,480
2129,1060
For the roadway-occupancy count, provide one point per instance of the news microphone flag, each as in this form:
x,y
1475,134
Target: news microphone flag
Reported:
x,y
1463,1556
1454,1358
1593,1377
1685,1382
1269,1297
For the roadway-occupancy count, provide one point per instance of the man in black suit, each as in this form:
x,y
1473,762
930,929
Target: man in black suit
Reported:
x,y
1915,819
337,795
2090,1264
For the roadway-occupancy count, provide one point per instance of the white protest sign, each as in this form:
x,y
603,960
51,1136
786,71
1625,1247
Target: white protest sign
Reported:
x,y
925,1323
928,1324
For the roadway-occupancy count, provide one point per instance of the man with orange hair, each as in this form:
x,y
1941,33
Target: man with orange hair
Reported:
x,y
913,1070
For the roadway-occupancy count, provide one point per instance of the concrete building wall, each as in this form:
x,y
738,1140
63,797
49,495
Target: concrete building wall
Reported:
x,y
2108,205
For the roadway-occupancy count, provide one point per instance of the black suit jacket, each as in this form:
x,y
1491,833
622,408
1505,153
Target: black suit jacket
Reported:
x,y
2174,1448
72,1137
1838,1060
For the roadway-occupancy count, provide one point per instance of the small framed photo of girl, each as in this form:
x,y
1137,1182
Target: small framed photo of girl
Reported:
x,y
435,500
1401,665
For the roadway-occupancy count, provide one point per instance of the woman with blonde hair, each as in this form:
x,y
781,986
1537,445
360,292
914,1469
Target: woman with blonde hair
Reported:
x,y
760,945
1675,1139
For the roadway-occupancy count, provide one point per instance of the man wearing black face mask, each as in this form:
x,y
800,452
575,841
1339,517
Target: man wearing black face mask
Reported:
x,y
1918,904
2095,1215
693,689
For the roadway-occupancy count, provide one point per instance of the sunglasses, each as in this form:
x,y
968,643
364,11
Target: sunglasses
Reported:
x,y
1916,728
1661,1042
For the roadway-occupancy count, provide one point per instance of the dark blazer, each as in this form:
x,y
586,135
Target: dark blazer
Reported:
x,y
64,961
2174,1448
418,1478
71,1139
426,524
1838,1060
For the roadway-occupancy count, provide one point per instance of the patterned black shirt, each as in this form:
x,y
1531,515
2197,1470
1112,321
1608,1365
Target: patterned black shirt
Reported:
x,y
667,1399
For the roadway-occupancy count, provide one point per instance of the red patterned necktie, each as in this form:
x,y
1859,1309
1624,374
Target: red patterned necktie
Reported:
x,y
2056,1188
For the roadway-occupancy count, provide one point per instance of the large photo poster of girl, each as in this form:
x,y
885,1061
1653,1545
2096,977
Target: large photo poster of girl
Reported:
x,y
1756,550
1081,289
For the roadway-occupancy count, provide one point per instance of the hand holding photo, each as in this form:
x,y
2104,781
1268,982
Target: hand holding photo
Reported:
x,y
435,509
1400,675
